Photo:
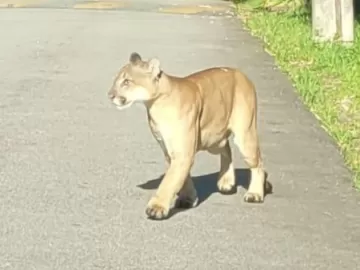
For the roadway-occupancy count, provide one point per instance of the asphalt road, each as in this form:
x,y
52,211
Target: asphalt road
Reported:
x,y
76,174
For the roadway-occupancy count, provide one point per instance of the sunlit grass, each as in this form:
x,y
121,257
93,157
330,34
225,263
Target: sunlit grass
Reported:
x,y
327,76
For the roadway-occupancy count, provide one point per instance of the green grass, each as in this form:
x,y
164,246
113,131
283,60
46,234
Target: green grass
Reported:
x,y
327,76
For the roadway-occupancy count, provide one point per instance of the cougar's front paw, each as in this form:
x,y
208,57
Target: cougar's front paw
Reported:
x,y
186,202
251,197
156,210
226,185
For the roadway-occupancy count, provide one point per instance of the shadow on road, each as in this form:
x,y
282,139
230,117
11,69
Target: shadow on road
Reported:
x,y
206,185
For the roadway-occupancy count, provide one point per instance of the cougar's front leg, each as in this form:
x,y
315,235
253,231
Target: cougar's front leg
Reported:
x,y
156,134
187,196
180,146
173,181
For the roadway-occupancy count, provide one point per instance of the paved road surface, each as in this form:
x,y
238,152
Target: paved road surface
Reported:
x,y
76,173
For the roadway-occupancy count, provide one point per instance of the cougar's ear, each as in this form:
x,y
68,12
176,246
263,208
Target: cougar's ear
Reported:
x,y
135,58
154,67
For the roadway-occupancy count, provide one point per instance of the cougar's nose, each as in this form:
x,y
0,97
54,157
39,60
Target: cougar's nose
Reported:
x,y
111,94
122,100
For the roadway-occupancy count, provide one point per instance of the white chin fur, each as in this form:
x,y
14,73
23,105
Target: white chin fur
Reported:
x,y
127,105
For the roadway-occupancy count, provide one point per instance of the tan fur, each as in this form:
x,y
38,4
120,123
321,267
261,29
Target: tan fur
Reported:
x,y
194,113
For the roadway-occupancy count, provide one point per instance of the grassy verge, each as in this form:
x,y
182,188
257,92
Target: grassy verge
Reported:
x,y
327,76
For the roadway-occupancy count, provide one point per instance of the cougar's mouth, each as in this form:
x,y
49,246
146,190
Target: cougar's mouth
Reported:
x,y
122,103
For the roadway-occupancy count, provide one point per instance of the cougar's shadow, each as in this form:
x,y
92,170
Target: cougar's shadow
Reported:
x,y
206,185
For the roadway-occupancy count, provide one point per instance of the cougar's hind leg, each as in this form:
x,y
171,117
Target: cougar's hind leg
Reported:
x,y
226,178
246,139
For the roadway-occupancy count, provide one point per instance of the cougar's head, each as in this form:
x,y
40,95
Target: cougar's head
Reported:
x,y
137,81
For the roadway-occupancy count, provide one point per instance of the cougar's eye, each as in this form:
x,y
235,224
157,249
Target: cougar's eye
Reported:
x,y
126,82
